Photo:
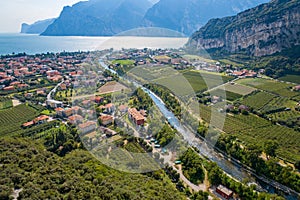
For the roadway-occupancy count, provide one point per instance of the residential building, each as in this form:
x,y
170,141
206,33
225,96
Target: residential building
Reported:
x,y
106,120
87,127
54,103
136,116
224,192
75,119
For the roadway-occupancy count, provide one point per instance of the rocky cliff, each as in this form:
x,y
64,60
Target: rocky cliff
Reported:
x,y
263,30
37,27
99,18
187,16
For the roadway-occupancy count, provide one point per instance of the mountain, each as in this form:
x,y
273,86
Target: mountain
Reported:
x,y
99,18
263,30
187,16
37,27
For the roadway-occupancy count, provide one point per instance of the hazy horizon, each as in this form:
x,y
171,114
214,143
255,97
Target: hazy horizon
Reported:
x,y
15,12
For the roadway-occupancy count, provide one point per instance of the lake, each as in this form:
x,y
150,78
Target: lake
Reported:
x,y
32,44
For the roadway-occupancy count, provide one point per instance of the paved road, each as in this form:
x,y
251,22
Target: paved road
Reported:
x,y
49,96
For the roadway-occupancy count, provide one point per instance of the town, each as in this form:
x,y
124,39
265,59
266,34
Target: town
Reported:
x,y
72,90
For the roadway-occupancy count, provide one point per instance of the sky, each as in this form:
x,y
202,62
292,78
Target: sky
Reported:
x,y
15,12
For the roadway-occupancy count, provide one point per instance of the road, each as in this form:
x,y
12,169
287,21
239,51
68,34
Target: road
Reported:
x,y
49,96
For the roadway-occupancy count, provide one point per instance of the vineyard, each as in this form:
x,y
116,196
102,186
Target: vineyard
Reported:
x,y
285,115
258,100
239,89
278,104
251,129
5,102
272,86
291,78
201,81
230,96
12,119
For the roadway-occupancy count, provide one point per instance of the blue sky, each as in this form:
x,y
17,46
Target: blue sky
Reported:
x,y
14,12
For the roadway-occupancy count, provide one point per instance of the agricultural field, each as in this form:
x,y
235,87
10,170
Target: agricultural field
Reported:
x,y
250,129
272,86
239,89
258,100
111,87
201,81
291,78
230,62
123,62
11,119
181,83
230,96
194,58
285,115
278,103
5,103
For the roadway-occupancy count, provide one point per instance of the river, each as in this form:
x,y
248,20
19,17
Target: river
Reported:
x,y
234,169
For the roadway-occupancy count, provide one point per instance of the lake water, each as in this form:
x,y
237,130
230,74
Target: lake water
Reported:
x,y
32,44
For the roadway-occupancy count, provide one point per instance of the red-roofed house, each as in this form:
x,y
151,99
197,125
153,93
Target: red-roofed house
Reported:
x,y
106,120
28,124
136,116
41,119
87,127
59,111
75,119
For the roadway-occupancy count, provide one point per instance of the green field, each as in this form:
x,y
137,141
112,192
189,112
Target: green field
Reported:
x,y
198,58
272,86
291,78
11,119
239,89
230,96
285,115
258,100
123,62
230,62
277,104
5,103
180,83
252,129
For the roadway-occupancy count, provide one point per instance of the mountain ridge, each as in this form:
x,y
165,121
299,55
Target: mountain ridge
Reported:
x,y
189,15
37,27
263,30
106,18
98,18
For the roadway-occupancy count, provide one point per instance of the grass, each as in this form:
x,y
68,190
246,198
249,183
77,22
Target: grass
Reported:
x,y
291,78
123,62
12,119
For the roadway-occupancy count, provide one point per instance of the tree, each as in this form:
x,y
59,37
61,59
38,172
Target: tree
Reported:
x,y
297,165
270,148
